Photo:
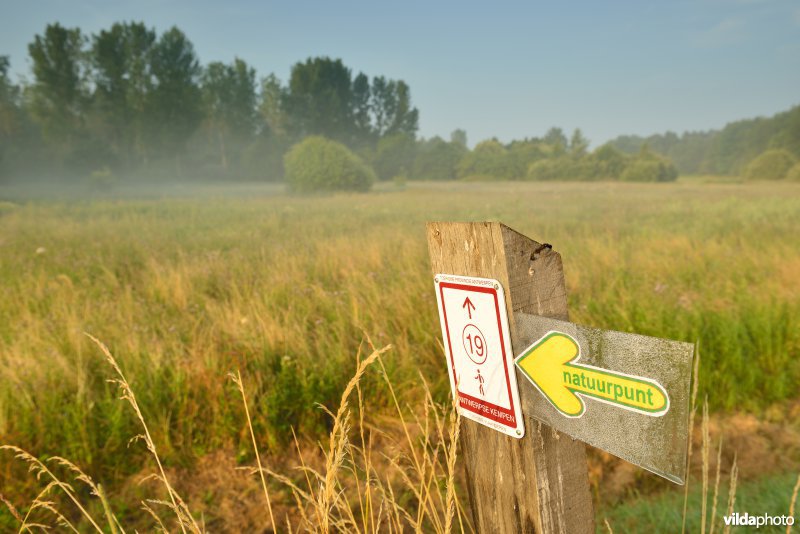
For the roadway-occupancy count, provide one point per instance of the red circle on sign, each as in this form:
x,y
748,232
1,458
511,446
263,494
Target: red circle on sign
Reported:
x,y
474,344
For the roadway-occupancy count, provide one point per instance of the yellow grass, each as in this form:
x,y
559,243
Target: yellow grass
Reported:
x,y
187,290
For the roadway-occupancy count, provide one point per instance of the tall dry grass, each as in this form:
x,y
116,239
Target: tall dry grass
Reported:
x,y
792,502
190,288
352,492
282,287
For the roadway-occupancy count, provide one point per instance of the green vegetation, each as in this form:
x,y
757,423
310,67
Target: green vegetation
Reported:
x,y
318,164
184,289
726,151
141,106
394,155
771,165
436,159
651,170
664,513
187,289
605,163
489,158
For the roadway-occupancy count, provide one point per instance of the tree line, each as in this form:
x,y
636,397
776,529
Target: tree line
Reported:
x,y
725,151
129,99
128,103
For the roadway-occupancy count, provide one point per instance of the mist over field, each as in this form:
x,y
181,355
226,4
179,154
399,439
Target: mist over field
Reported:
x,y
218,312
129,105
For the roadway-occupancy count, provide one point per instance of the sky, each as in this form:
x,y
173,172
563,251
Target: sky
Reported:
x,y
495,69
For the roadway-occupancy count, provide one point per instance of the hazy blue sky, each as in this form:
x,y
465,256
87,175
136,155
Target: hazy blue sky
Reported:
x,y
496,68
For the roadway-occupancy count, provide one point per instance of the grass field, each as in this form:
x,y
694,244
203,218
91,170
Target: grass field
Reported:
x,y
188,287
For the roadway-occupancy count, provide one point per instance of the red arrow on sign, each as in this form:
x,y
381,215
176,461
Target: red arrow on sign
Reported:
x,y
468,304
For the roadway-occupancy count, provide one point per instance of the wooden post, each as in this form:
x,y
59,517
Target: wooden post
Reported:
x,y
538,483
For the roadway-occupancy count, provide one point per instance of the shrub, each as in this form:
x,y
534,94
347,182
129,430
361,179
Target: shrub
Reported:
x,y
794,173
608,162
437,160
562,168
770,165
649,170
319,164
521,154
548,169
488,158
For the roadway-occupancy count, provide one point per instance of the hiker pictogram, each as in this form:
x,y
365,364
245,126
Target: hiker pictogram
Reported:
x,y
477,342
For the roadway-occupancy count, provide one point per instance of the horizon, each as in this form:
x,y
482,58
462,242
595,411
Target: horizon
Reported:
x,y
695,67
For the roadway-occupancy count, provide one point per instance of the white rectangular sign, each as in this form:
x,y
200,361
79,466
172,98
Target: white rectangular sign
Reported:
x,y
480,361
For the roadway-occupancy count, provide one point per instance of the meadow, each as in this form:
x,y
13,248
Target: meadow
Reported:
x,y
188,285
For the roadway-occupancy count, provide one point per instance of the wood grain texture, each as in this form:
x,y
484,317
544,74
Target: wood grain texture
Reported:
x,y
538,483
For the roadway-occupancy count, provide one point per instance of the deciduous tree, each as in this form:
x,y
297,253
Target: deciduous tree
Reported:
x,y
122,79
229,93
391,106
59,95
175,103
319,99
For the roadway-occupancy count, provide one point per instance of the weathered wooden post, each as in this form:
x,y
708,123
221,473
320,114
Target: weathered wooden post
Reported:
x,y
538,483
529,384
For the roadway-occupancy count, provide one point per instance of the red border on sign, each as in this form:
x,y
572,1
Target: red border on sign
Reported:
x,y
468,402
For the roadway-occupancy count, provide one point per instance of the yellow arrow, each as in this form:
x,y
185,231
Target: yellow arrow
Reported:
x,y
550,365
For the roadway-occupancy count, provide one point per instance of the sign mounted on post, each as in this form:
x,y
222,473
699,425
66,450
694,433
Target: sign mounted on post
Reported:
x,y
624,393
551,365
539,482
480,361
